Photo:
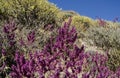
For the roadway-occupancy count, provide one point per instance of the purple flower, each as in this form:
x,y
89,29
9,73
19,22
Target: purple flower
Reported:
x,y
12,43
10,27
31,36
23,67
22,43
6,28
118,72
61,54
3,66
3,52
11,36
85,75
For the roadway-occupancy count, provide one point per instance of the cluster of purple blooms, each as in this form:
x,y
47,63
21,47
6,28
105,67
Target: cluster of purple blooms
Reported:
x,y
101,22
61,58
9,29
9,46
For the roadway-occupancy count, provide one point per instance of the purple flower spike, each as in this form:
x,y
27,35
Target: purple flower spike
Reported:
x,y
23,67
3,52
31,37
6,28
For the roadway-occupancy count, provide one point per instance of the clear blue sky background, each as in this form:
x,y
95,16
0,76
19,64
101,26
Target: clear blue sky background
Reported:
x,y
105,9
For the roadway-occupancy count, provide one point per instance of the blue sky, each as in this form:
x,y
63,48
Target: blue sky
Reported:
x,y
105,9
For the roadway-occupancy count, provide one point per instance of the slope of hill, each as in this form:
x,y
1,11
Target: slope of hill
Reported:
x,y
32,26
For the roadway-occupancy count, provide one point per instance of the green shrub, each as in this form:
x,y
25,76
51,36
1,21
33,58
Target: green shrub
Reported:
x,y
30,12
64,15
113,24
114,59
81,22
105,38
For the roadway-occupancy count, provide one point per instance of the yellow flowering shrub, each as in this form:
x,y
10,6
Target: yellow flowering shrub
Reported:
x,y
30,12
82,23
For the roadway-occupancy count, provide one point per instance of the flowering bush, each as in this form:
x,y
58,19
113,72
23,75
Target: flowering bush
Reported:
x,y
23,68
9,46
56,55
61,58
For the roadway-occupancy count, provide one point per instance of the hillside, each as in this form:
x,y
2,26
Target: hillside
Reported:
x,y
39,40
